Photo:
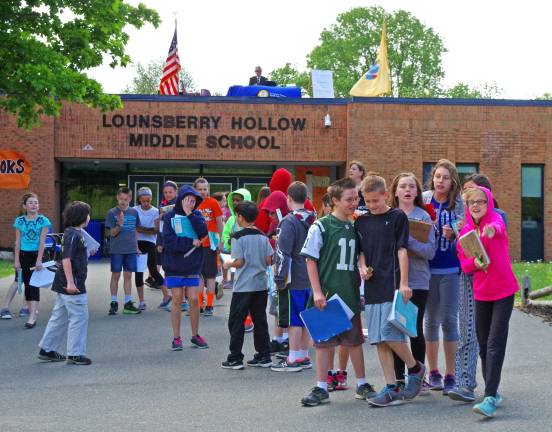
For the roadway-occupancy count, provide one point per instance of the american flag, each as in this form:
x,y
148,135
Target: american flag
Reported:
x,y
169,80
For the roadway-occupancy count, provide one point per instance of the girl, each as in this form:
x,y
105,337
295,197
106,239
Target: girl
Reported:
x,y
31,229
442,300
357,172
494,288
468,348
264,192
326,208
406,194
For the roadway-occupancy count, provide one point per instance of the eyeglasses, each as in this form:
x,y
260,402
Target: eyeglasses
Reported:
x,y
477,203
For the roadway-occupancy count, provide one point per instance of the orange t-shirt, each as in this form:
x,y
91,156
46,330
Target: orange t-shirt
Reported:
x,y
210,209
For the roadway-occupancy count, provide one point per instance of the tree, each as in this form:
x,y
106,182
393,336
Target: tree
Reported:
x,y
463,90
288,74
148,77
545,96
46,45
350,46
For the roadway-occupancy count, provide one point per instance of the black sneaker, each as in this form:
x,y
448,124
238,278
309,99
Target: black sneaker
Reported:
x,y
284,354
113,308
130,309
275,346
51,356
233,364
78,360
316,397
365,391
264,362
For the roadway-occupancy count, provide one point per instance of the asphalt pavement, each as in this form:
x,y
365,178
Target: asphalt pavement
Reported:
x,y
137,383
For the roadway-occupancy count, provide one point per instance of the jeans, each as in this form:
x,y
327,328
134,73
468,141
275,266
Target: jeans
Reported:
x,y
468,348
442,308
70,314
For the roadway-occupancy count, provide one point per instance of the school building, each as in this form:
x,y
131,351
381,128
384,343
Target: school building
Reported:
x,y
85,154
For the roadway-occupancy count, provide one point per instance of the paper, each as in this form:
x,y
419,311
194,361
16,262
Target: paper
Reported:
x,y
322,84
227,257
44,277
404,315
270,275
91,244
183,227
141,263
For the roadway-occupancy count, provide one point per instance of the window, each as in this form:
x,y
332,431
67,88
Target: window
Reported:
x,y
254,188
464,170
532,212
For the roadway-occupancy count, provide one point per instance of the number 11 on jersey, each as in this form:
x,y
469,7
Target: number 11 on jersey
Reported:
x,y
342,264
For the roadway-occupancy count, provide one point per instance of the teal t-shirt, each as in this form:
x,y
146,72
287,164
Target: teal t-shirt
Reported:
x,y
30,231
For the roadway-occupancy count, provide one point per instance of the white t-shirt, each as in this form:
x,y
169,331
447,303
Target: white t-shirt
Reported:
x,y
147,220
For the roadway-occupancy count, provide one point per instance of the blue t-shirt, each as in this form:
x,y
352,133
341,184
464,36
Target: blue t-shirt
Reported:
x,y
445,260
126,241
30,231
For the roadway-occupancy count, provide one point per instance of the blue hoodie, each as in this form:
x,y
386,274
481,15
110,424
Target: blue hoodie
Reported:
x,y
176,262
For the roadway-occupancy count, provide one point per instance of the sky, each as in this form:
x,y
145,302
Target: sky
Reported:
x,y
220,42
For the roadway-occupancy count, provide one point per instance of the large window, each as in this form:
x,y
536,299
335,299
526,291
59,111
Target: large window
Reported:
x,y
464,170
532,212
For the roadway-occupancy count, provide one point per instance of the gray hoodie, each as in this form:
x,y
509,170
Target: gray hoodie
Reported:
x,y
420,253
292,233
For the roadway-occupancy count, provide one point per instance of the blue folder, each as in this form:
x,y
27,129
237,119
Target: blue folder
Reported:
x,y
326,323
183,227
404,315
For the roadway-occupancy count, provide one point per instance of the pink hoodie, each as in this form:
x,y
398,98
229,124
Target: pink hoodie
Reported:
x,y
498,281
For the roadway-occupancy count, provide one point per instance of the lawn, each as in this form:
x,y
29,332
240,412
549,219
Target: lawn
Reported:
x,y
539,272
6,268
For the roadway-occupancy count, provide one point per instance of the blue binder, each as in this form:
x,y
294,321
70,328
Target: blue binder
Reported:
x,y
404,315
327,323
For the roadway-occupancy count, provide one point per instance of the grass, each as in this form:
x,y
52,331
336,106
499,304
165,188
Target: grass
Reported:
x,y
6,268
539,272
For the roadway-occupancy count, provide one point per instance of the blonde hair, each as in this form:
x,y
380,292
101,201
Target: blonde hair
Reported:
x,y
373,183
473,193
455,186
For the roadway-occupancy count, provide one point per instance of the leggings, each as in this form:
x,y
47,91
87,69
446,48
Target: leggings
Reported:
x,y
492,319
417,344
442,308
465,369
28,260
150,249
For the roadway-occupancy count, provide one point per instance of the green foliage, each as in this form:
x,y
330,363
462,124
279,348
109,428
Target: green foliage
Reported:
x,y
463,90
6,269
350,46
545,96
540,273
45,45
289,74
148,77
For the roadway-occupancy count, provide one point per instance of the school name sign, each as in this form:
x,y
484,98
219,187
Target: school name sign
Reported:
x,y
182,131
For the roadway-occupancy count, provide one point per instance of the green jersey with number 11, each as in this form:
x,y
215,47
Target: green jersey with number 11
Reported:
x,y
334,245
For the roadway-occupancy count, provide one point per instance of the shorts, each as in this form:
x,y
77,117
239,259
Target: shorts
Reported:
x,y
210,268
350,338
124,262
291,303
191,281
379,327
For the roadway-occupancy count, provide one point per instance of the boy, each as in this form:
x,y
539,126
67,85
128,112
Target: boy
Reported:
x,y
251,254
383,264
122,221
70,313
212,214
331,250
182,263
293,289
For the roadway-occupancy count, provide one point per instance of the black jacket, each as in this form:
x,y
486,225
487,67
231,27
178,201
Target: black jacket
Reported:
x,y
253,80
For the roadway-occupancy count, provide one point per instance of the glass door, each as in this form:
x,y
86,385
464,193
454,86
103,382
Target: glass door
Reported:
x,y
532,213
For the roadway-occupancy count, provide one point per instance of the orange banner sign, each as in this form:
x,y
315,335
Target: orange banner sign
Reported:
x,y
15,170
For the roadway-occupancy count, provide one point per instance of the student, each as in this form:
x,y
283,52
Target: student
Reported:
x,y
357,172
251,254
494,288
293,290
264,192
406,193
465,369
122,221
31,229
383,264
70,313
326,207
183,261
221,199
442,301
147,237
212,214
331,250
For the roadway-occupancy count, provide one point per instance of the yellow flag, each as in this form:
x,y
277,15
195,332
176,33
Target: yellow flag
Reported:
x,y
377,81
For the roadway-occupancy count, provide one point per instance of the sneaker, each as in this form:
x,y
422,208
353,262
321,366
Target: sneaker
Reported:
x,y
79,360
365,391
275,346
248,325
387,397
282,354
199,342
435,380
5,314
306,363
24,312
498,400
287,366
426,389
130,309
165,304
414,383
177,344
462,394
149,281
184,306
113,308
232,364
449,384
208,311
219,291
331,381
142,306
487,407
51,356
263,362
227,285
341,377
316,397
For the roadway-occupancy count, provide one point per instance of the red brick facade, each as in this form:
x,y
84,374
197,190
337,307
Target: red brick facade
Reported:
x,y
388,137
